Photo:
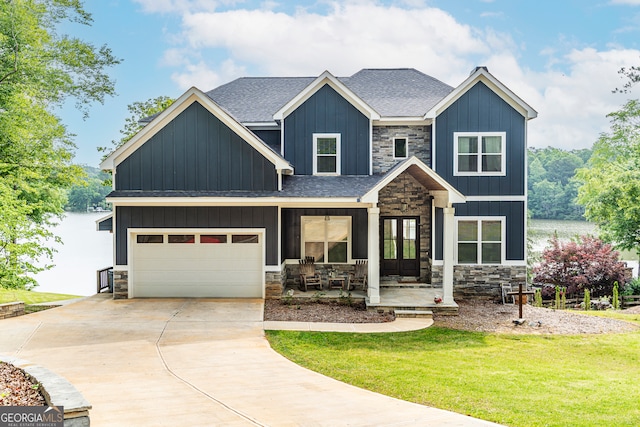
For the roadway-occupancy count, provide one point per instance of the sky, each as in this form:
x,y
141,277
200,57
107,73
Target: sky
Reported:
x,y
560,56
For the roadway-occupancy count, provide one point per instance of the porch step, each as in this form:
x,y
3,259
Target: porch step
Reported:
x,y
428,314
405,285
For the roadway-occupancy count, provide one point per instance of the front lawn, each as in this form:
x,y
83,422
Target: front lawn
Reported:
x,y
31,297
517,380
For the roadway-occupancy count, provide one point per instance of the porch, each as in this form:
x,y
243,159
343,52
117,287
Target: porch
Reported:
x,y
405,299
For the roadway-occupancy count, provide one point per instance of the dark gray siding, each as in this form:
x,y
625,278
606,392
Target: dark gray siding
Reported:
x,y
270,137
196,217
326,111
291,230
481,110
196,152
515,224
106,225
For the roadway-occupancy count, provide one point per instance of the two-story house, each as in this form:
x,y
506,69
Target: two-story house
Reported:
x,y
222,194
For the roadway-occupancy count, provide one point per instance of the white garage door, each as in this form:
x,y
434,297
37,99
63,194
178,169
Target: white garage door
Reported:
x,y
204,264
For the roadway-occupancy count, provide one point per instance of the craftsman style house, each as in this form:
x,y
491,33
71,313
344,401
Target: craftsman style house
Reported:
x,y
223,193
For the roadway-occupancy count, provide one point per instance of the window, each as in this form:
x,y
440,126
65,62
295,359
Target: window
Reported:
x,y
149,238
326,154
400,148
182,238
213,238
480,241
244,238
479,153
326,238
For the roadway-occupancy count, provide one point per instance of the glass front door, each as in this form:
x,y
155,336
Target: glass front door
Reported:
x,y
400,246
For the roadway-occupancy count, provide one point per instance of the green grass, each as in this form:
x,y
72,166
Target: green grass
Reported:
x,y
31,297
517,380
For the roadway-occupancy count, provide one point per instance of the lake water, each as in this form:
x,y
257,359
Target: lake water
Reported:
x,y
85,250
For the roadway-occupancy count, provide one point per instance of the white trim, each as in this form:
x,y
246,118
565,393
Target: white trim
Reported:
x,y
479,220
482,75
326,78
447,192
344,202
262,125
403,121
307,218
512,198
335,136
406,147
181,104
480,154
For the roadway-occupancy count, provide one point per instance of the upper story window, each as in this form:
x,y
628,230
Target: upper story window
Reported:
x,y
326,154
480,240
479,153
400,150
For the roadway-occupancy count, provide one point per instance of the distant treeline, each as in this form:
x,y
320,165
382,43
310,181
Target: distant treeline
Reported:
x,y
90,193
552,186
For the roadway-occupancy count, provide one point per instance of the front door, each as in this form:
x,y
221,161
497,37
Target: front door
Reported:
x,y
400,246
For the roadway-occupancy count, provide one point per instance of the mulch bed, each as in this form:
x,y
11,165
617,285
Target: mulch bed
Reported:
x,y
18,389
323,311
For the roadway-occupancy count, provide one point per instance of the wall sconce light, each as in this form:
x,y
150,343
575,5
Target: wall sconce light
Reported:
x,y
327,218
404,207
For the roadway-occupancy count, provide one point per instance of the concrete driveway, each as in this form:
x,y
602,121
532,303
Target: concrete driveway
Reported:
x,y
194,362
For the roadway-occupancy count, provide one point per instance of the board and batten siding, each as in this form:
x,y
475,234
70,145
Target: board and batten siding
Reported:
x,y
482,110
196,152
326,111
291,230
515,225
197,217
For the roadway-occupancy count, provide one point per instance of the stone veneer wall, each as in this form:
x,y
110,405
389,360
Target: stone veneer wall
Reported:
x,y
120,284
11,309
406,190
418,144
481,281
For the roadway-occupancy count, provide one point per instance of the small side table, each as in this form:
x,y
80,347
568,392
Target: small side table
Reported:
x,y
337,282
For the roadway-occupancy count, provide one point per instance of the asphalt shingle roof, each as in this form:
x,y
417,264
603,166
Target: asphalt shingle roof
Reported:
x,y
400,92
304,186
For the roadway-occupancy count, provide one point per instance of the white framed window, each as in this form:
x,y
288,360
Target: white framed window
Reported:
x,y
479,153
480,240
326,238
400,148
326,154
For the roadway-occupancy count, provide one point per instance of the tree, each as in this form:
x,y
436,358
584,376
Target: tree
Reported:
x,y
39,70
586,263
610,185
141,112
91,192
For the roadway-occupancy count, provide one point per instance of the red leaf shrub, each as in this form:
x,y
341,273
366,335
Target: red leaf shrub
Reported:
x,y
587,263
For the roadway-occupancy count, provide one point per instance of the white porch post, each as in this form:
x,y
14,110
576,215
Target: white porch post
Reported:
x,y
447,254
373,275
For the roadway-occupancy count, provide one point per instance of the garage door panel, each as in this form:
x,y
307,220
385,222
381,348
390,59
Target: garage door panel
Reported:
x,y
197,270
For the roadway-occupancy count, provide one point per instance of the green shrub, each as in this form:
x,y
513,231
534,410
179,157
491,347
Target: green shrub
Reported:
x,y
632,288
587,299
615,300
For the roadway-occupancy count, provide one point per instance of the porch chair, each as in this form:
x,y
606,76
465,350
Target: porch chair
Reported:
x,y
506,287
308,275
359,276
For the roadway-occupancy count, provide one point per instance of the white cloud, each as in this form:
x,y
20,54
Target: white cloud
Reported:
x,y
571,89
626,2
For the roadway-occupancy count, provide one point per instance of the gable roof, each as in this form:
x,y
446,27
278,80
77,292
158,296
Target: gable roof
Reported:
x,y
323,79
399,92
482,74
181,104
444,192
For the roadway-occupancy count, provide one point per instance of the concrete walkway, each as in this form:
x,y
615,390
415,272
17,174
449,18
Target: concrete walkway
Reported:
x,y
188,362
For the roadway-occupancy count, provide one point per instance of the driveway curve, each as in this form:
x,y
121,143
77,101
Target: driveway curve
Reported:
x,y
194,362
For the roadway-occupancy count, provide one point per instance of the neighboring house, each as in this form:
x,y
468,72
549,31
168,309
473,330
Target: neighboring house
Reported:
x,y
222,194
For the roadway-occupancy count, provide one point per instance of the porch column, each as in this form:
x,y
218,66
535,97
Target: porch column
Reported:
x,y
447,254
373,253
